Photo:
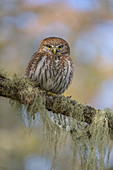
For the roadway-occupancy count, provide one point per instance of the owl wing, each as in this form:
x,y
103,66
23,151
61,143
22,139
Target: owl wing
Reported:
x,y
32,65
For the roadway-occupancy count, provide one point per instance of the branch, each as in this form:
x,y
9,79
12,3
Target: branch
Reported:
x,y
25,91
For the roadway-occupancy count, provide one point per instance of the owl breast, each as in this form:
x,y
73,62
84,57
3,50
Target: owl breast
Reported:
x,y
53,75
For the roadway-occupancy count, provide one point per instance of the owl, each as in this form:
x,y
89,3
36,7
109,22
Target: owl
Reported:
x,y
51,66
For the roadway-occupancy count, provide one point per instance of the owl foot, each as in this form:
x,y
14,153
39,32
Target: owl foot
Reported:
x,y
51,94
69,97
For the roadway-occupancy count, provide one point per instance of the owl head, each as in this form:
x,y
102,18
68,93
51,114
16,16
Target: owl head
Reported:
x,y
54,46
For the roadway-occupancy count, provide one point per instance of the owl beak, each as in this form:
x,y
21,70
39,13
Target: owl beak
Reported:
x,y
54,51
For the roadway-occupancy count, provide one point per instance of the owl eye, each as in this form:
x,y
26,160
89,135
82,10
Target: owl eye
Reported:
x,y
49,46
60,47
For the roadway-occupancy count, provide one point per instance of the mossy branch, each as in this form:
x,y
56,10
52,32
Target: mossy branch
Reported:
x,y
23,90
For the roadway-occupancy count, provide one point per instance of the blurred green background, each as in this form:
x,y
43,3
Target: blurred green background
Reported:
x,y
88,27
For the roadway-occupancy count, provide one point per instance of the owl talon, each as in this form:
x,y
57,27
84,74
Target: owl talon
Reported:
x,y
69,97
50,94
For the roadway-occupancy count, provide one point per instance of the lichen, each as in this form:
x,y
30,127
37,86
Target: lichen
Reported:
x,y
92,149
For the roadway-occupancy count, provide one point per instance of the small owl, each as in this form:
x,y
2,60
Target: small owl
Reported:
x,y
51,66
